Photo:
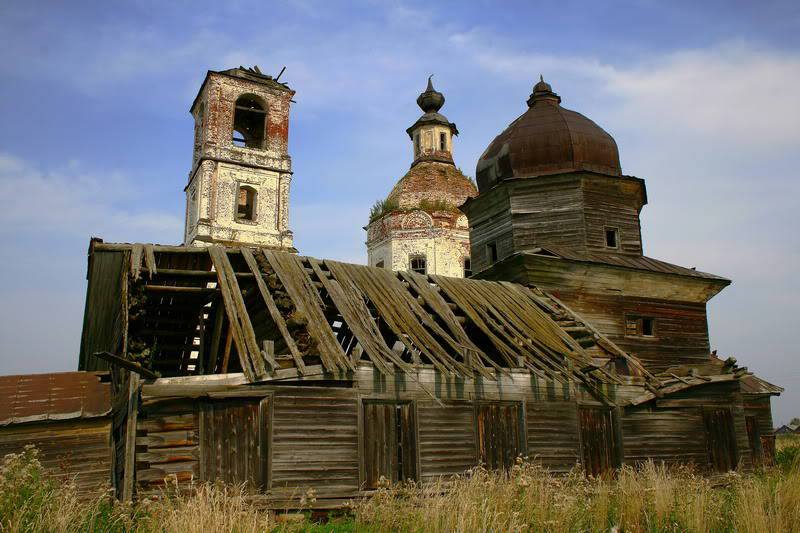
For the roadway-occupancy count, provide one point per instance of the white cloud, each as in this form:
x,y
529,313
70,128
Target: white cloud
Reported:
x,y
74,203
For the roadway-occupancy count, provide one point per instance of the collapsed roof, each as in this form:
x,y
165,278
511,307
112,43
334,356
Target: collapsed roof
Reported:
x,y
183,311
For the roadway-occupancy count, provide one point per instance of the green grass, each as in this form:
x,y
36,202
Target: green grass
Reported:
x,y
651,498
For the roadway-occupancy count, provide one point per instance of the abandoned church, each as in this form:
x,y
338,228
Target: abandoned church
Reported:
x,y
514,316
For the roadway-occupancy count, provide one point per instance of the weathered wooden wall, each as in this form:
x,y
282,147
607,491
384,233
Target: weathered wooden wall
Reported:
x,y
77,449
314,437
681,335
668,435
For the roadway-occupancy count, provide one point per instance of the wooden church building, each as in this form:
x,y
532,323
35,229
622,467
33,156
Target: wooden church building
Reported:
x,y
233,358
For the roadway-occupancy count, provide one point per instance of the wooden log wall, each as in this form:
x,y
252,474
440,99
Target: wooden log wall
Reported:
x,y
548,212
611,202
167,444
313,436
553,434
681,328
77,449
315,444
669,435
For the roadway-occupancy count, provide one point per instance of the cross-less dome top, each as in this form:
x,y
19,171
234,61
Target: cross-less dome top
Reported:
x,y
547,139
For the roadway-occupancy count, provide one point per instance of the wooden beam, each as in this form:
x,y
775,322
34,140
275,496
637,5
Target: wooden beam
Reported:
x,y
129,464
184,290
273,310
127,364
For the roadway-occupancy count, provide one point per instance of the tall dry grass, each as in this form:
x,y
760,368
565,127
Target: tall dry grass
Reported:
x,y
528,498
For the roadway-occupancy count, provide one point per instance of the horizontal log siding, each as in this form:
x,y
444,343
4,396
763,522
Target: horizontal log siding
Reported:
x,y
315,443
76,449
548,212
446,439
612,203
668,435
553,434
167,445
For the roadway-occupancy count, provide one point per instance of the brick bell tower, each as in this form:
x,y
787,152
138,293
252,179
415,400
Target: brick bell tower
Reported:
x,y
238,190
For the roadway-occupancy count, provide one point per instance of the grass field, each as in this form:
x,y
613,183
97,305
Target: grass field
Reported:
x,y
651,498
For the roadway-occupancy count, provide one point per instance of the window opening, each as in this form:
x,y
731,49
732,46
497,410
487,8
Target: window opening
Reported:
x,y
245,208
379,264
640,326
419,264
416,144
648,329
491,252
249,123
612,238
467,267
442,141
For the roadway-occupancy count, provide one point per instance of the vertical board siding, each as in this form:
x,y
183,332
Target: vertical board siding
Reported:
x,y
233,444
390,448
723,452
598,440
78,449
668,435
167,445
499,433
447,445
553,437
315,444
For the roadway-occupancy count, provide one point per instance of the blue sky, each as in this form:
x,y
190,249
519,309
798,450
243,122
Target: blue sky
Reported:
x,y
96,138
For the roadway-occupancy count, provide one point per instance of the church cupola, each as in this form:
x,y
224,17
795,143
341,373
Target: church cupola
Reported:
x,y
432,133
419,225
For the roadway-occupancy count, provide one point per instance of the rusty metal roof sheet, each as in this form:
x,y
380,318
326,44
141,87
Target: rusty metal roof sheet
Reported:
x,y
55,396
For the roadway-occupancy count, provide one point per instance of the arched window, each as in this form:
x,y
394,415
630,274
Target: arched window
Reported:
x,y
249,123
246,203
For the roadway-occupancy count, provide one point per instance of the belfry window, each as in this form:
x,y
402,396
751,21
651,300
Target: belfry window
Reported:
x,y
249,123
246,203
442,141
418,264
612,237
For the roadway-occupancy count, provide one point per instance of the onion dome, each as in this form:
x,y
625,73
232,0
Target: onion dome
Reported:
x,y
547,139
431,101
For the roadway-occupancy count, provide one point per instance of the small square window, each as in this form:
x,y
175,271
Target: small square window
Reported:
x,y
612,238
639,326
418,264
379,264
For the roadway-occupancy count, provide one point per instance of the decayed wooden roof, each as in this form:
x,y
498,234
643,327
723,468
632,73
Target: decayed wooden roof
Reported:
x,y
198,310
54,396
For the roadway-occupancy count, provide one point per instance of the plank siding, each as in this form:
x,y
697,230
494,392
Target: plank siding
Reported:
x,y
167,445
315,443
612,203
76,449
447,445
664,435
553,437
